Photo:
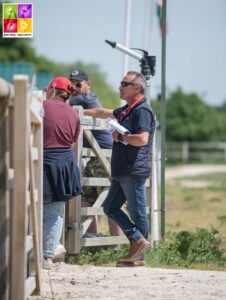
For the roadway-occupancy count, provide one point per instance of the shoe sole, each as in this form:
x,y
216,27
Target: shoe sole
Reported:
x,y
140,252
123,264
59,257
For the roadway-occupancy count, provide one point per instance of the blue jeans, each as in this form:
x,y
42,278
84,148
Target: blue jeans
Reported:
x,y
53,219
131,189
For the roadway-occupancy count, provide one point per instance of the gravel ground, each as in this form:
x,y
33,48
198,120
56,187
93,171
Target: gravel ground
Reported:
x,y
92,283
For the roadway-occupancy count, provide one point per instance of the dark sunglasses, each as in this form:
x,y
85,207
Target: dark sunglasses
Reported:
x,y
78,85
126,83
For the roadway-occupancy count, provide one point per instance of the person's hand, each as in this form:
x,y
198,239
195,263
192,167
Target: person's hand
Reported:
x,y
115,136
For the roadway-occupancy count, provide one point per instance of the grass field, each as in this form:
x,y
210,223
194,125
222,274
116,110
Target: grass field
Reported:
x,y
196,202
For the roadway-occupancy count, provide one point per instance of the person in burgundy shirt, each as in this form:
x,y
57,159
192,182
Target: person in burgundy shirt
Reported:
x,y
61,174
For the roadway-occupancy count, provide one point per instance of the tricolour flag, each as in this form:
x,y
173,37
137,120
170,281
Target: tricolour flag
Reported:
x,y
159,5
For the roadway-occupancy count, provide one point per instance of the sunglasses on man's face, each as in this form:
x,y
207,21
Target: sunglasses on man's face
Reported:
x,y
78,85
126,83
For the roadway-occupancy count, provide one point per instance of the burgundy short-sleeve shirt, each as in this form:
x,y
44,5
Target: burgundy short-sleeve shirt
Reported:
x,y
61,124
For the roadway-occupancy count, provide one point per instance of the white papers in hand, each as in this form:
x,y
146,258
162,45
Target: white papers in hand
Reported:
x,y
115,126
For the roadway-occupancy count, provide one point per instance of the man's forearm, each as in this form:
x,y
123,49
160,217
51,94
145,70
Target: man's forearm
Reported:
x,y
99,112
137,140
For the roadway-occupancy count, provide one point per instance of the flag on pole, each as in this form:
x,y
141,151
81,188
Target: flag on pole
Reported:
x,y
159,13
159,5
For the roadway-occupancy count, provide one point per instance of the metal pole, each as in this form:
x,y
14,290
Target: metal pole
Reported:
x,y
148,24
126,40
163,118
126,35
154,193
147,38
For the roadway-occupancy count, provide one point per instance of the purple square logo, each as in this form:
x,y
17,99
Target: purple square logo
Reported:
x,y
24,10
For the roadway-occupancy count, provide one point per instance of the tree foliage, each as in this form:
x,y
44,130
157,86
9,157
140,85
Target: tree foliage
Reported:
x,y
188,118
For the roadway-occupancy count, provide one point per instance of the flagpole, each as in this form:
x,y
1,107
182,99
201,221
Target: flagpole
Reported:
x,y
163,118
127,34
154,220
126,39
148,25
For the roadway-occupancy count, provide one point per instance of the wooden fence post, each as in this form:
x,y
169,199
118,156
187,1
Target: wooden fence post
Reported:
x,y
73,207
20,190
4,198
185,151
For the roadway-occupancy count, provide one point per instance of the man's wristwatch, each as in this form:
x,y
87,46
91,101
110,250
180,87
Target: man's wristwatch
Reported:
x,y
120,138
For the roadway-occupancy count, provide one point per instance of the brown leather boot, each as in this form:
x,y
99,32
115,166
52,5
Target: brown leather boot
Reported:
x,y
137,250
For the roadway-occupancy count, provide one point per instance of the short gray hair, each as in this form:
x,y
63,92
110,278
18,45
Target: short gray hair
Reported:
x,y
139,79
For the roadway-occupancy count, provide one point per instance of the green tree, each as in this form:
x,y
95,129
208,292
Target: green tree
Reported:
x,y
189,119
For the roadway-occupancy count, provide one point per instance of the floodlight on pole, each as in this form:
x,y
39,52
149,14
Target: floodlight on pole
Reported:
x,y
147,63
125,50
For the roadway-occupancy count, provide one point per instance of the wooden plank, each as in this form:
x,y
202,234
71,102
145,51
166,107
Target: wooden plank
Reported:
x,y
73,207
20,188
34,221
86,224
206,145
96,181
4,200
37,131
88,122
100,181
30,286
98,151
103,241
101,198
92,211
89,152
73,225
36,111
10,178
29,243
34,153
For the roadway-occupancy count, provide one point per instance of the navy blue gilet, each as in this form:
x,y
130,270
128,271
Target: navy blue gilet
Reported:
x,y
131,160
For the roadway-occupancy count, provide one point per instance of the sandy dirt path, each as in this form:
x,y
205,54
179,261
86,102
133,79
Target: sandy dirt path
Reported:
x,y
92,283
193,170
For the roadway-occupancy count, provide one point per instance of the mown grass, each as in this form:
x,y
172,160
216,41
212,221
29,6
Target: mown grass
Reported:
x,y
190,207
195,229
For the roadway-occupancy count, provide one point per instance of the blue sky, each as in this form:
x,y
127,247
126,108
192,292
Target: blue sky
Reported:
x,y
72,30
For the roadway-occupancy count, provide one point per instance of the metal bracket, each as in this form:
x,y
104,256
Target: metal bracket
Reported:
x,y
74,225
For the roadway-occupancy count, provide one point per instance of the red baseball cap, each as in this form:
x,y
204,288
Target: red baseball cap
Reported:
x,y
61,83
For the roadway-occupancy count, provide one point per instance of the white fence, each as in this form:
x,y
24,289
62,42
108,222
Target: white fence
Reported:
x,y
190,151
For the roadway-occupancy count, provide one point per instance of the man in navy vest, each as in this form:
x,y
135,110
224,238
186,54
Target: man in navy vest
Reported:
x,y
130,165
